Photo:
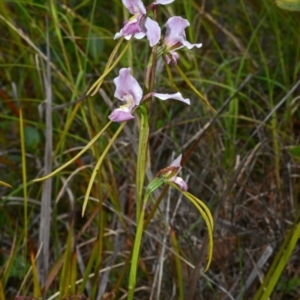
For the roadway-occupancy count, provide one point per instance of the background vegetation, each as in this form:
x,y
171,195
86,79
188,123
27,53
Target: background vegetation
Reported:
x,y
243,162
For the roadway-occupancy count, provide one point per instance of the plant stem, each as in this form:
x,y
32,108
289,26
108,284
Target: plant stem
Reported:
x,y
135,253
142,157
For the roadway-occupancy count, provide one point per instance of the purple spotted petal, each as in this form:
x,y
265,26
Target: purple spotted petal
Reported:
x,y
127,86
121,114
180,182
176,96
135,6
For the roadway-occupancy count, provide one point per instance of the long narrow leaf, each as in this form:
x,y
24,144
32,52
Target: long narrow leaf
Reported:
x,y
65,278
178,265
206,214
5,184
194,89
90,143
97,167
280,261
96,86
36,285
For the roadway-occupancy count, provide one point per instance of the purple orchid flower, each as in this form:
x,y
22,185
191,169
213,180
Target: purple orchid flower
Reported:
x,y
175,38
171,172
129,91
139,25
178,180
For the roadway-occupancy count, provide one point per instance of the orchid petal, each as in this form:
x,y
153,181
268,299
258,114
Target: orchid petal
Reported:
x,y
163,2
180,182
132,26
118,34
152,31
139,24
176,96
175,38
176,162
190,46
139,35
126,85
121,114
174,57
134,6
175,31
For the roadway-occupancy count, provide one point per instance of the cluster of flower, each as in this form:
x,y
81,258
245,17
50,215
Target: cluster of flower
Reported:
x,y
128,89
139,26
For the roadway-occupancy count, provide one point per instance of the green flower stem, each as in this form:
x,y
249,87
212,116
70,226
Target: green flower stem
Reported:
x,y
142,156
143,111
135,254
24,178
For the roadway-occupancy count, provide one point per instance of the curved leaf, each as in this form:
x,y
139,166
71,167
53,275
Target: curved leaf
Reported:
x,y
293,5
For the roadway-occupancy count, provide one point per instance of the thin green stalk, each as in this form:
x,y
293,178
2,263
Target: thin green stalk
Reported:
x,y
89,268
56,24
90,143
5,184
2,292
157,182
98,164
143,110
135,253
73,274
279,263
98,257
35,278
206,215
24,179
109,67
89,34
65,276
142,157
178,265
193,88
